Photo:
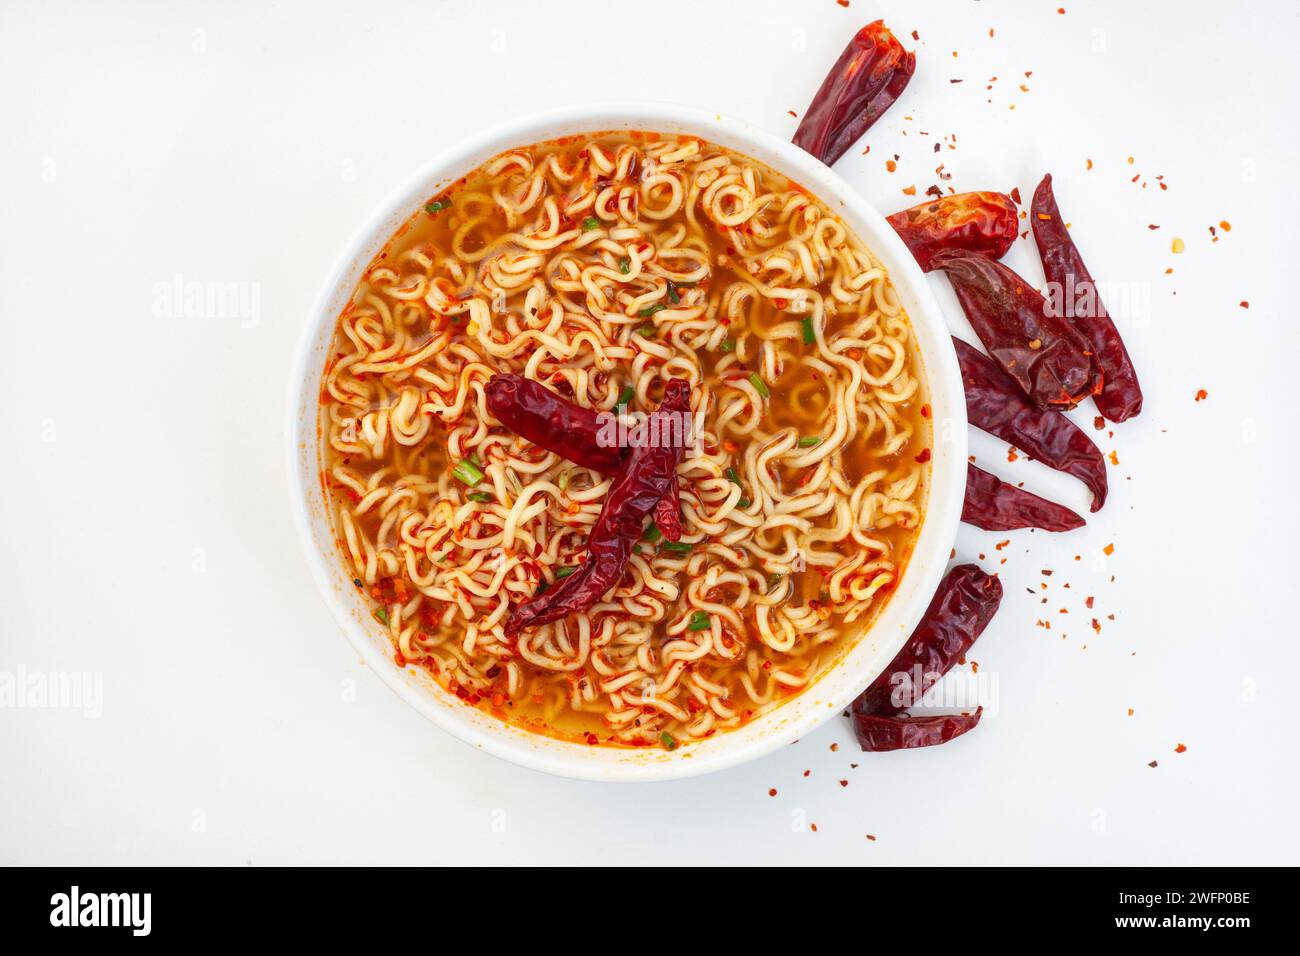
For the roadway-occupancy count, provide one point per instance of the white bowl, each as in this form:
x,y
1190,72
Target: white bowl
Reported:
x,y
836,688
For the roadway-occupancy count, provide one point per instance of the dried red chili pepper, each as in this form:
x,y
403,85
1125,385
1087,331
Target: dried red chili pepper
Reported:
x,y
877,733
1047,357
1120,397
869,75
533,411
983,222
994,505
960,610
642,480
994,404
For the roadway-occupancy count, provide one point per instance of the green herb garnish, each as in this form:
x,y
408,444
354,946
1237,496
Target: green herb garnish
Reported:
x,y
809,441
733,477
669,741
437,206
728,345
760,386
651,310
678,547
624,265
565,572
649,331
590,223
673,297
699,622
482,496
809,336
382,616
468,471
743,503
652,533
626,395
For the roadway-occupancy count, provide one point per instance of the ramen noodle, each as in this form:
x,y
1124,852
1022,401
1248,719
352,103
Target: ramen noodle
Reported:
x,y
601,267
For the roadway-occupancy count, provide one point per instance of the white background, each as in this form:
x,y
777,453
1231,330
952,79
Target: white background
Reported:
x,y
144,526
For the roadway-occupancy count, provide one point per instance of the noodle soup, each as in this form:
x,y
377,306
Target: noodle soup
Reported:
x,y
603,266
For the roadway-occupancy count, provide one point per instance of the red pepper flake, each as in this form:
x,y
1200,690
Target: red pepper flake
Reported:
x,y
909,191
871,837
1109,549
1096,625
1130,711
807,772
1225,225
924,456
834,747
1099,423
1180,749
1089,164
890,165
1244,304
1061,10
1088,602
844,783
772,792
813,827
1202,394
793,113
1114,457
1011,455
842,3
1153,764
925,411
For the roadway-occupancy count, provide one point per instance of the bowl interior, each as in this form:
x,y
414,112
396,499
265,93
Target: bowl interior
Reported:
x,y
857,668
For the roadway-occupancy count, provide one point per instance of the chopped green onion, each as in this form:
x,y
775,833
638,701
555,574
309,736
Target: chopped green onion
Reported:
x,y
678,547
810,441
699,622
652,533
733,477
772,581
651,310
590,223
669,741
809,336
625,396
743,503
624,265
728,345
479,496
468,471
541,588
649,331
565,572
382,616
760,386
673,297
437,206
